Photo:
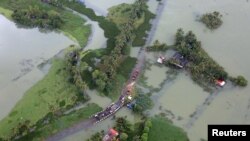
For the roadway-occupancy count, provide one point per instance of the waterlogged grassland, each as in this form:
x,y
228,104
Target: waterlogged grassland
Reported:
x,y
164,130
120,14
63,122
74,26
43,97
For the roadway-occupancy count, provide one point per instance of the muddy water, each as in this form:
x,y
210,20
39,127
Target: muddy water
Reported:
x,y
228,45
178,99
101,6
21,50
155,76
152,5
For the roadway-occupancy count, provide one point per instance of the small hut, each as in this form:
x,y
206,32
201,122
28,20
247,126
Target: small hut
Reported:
x,y
178,60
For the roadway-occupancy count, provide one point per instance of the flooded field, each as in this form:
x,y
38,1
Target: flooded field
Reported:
x,y
21,51
228,45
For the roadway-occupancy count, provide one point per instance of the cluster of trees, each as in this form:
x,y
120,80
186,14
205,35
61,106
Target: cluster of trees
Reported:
x,y
110,63
157,46
127,131
212,20
56,3
137,132
97,136
23,128
34,16
143,102
239,80
147,126
202,67
75,67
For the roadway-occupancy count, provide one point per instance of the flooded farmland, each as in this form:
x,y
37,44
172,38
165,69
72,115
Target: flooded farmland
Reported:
x,y
181,100
21,51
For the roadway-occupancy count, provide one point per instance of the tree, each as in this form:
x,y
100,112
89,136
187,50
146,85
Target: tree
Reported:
x,y
144,137
101,84
239,80
123,136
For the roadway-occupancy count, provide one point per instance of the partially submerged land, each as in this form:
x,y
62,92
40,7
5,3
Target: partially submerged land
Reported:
x,y
104,69
202,68
47,98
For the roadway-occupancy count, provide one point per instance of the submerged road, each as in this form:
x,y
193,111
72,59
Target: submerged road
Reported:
x,y
108,111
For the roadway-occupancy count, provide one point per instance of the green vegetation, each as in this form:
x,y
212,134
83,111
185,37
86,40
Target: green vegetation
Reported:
x,y
36,17
157,46
132,132
51,94
57,124
120,14
34,13
154,129
74,27
163,130
143,102
141,31
106,73
239,80
7,13
204,70
110,29
97,136
212,20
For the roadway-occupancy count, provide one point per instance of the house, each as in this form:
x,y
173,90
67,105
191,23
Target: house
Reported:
x,y
220,83
161,59
178,60
112,133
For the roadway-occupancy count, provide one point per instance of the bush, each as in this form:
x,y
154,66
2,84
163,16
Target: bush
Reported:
x,y
123,136
143,102
212,20
239,80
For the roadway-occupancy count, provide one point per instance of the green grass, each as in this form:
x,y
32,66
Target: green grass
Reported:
x,y
37,101
6,12
140,32
126,67
63,123
73,26
163,130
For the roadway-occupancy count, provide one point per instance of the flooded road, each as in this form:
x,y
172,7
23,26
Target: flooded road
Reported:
x,y
228,45
21,51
